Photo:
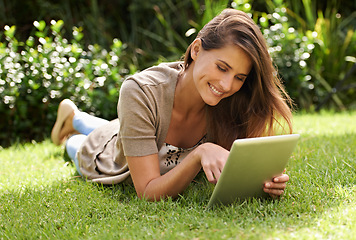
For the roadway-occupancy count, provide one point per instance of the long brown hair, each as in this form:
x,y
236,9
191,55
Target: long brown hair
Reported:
x,y
262,105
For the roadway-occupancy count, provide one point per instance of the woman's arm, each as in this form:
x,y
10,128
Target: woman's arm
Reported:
x,y
151,185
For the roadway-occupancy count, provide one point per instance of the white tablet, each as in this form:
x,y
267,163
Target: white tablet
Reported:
x,y
251,162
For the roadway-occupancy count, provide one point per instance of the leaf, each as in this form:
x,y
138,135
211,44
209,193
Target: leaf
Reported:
x,y
39,25
30,41
57,25
77,33
10,31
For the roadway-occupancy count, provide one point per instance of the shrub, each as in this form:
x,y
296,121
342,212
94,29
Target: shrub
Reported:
x,y
331,66
313,50
37,74
290,49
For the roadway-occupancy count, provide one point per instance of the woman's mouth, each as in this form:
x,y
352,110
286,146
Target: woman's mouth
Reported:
x,y
215,90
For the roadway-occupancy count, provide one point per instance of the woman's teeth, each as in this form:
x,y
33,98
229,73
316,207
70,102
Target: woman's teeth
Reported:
x,y
215,90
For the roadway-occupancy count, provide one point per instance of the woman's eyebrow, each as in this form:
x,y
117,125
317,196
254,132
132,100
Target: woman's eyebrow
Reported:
x,y
242,74
225,63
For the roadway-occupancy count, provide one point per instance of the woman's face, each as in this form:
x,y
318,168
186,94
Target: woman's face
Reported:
x,y
219,73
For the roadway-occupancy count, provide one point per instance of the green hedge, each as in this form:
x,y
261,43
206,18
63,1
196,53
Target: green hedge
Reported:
x,y
37,74
314,51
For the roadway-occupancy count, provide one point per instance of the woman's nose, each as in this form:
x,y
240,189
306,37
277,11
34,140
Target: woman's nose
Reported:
x,y
226,83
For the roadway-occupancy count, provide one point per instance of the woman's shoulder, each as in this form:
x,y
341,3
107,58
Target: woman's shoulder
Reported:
x,y
160,74
155,84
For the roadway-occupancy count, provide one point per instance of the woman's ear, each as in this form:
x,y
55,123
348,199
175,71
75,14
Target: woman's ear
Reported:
x,y
196,48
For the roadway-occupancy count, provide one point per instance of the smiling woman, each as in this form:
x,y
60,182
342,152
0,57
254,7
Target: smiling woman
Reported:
x,y
253,111
225,89
220,70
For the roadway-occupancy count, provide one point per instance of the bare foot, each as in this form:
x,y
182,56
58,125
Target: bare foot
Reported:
x,y
67,128
63,125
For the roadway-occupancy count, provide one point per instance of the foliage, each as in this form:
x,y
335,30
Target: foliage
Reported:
x,y
312,44
152,29
311,55
41,196
35,75
290,50
334,53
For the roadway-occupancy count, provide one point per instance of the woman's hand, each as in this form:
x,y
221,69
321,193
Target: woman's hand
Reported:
x,y
212,159
275,188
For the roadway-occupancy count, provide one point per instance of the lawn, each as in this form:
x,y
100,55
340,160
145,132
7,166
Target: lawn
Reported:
x,y
42,197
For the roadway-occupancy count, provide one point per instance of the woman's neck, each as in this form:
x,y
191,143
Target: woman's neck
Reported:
x,y
188,120
187,100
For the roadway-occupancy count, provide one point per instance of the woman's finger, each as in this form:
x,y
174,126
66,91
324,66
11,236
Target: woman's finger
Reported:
x,y
273,192
272,185
209,175
217,174
281,178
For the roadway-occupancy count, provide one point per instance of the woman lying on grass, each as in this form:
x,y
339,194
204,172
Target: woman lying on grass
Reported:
x,y
177,118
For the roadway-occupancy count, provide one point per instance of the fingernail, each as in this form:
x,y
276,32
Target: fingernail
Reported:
x,y
268,185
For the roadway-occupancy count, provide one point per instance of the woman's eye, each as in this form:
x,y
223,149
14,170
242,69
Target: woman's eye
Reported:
x,y
221,69
242,79
238,78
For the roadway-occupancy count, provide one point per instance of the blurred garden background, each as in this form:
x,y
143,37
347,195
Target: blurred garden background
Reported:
x,y
83,49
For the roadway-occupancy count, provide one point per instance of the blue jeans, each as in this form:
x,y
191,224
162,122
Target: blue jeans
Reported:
x,y
84,124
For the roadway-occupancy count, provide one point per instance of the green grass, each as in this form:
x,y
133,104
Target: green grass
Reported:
x,y
42,197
